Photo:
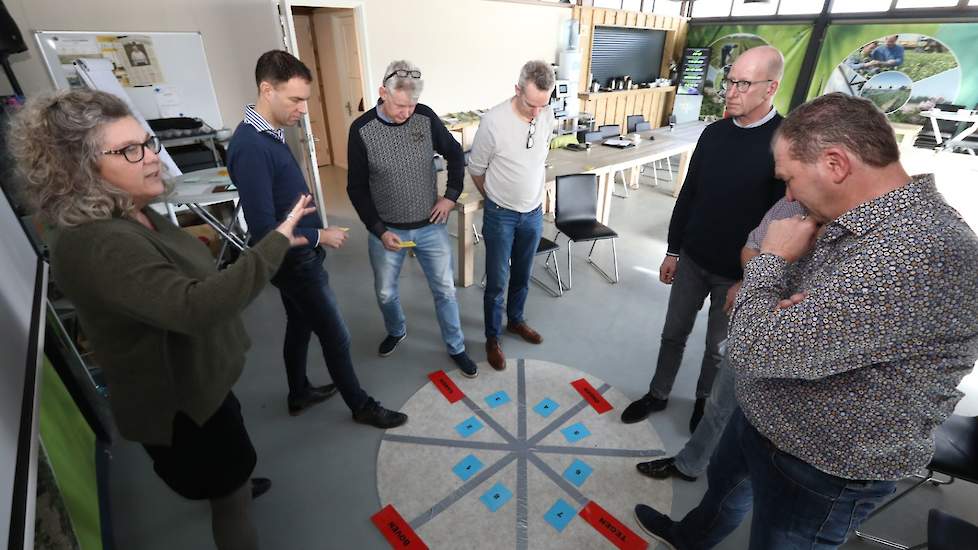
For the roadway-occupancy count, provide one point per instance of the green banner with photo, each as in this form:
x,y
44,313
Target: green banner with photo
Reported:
x,y
903,68
727,42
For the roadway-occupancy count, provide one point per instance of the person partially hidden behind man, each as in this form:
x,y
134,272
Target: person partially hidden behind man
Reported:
x,y
852,330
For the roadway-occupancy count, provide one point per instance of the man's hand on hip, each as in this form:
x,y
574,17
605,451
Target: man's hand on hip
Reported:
x,y
790,238
332,237
391,241
439,212
667,271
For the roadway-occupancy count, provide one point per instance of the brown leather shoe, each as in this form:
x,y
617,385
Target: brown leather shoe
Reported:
x,y
527,333
494,352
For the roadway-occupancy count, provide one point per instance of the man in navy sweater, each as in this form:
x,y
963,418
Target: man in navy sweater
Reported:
x,y
729,187
269,181
393,186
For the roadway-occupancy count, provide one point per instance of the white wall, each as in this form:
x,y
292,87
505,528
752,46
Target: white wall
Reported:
x,y
470,51
235,33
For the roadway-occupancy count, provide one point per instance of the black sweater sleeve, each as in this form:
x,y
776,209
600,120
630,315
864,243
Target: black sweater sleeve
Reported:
x,y
358,178
684,203
448,147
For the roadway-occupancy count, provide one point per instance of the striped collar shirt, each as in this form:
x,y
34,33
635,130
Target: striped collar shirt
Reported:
x,y
252,117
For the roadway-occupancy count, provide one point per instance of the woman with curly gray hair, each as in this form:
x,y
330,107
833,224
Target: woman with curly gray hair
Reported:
x,y
163,322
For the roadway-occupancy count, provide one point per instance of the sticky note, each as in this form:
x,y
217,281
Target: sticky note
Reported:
x,y
468,427
496,497
560,514
408,244
578,472
546,407
462,196
222,172
467,467
497,399
342,228
575,432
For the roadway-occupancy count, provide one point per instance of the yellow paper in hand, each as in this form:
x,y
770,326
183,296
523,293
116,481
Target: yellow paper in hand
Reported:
x,y
342,228
407,244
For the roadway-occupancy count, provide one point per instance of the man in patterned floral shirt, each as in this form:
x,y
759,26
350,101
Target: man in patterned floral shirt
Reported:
x,y
852,330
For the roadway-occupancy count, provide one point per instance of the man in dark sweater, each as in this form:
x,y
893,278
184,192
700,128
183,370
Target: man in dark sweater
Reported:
x,y
269,182
392,185
729,187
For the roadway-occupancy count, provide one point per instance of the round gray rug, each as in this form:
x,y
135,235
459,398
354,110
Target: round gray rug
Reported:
x,y
513,463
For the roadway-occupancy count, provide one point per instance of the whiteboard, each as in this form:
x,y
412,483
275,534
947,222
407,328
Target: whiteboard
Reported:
x,y
183,64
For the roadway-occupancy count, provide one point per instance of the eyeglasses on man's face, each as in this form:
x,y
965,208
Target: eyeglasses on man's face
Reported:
x,y
403,74
137,151
740,85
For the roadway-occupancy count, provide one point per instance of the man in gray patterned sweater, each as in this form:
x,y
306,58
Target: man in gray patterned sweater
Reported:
x,y
392,184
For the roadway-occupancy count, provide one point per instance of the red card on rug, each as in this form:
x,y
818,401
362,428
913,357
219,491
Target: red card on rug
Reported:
x,y
591,395
446,386
397,531
612,529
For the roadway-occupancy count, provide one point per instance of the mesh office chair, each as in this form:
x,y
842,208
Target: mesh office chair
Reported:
x,y
955,455
577,218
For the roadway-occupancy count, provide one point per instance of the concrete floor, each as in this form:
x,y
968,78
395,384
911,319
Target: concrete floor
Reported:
x,y
323,465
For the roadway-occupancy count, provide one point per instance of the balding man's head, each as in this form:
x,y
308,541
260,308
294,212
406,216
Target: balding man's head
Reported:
x,y
752,83
763,62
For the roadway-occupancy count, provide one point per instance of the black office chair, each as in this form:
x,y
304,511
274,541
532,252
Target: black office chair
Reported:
x,y
955,455
946,532
610,130
577,218
632,122
550,248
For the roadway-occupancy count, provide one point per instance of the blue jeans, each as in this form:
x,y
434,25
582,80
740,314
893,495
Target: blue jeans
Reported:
x,y
695,455
795,504
434,253
310,306
511,243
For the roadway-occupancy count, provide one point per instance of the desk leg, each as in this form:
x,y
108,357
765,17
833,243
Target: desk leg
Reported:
x,y
465,257
605,189
937,130
681,175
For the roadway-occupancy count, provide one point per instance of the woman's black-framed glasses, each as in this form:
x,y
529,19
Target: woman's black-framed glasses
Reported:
x,y
137,151
403,73
529,135
741,85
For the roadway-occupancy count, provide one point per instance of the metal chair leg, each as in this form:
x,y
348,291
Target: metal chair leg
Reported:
x,y
560,285
929,478
570,270
546,267
614,253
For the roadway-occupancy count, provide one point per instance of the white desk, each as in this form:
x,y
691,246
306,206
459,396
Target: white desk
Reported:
x,y
957,116
196,190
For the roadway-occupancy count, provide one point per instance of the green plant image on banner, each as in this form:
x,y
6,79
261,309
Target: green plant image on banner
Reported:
x,y
904,68
729,41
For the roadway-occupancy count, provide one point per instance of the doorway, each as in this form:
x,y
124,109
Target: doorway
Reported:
x,y
327,40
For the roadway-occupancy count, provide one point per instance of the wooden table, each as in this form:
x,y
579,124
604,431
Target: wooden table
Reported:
x,y
603,161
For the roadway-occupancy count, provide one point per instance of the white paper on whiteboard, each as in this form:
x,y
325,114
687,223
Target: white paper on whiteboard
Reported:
x,y
169,101
97,75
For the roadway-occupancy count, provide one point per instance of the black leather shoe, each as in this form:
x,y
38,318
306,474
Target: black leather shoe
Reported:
x,y
389,344
312,396
373,414
465,364
260,486
663,468
329,390
641,409
656,524
694,420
